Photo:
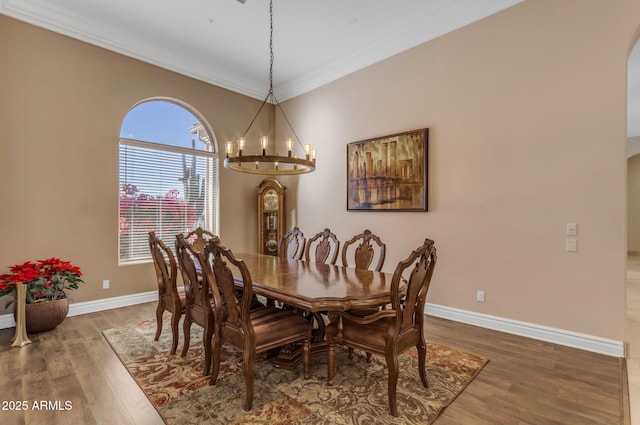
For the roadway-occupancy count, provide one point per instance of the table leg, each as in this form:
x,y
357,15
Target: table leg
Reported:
x,y
290,356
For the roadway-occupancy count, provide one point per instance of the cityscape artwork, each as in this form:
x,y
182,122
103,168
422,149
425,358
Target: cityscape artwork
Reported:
x,y
388,173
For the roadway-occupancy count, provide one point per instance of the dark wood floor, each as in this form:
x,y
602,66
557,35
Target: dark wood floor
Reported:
x,y
525,382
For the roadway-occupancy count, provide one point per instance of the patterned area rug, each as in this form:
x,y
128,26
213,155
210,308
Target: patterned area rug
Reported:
x,y
177,389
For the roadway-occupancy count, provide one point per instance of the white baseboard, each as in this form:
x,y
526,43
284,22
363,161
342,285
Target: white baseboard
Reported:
x,y
530,330
75,309
585,342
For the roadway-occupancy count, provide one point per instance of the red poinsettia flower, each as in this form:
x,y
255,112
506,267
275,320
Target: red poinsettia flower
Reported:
x,y
20,267
45,280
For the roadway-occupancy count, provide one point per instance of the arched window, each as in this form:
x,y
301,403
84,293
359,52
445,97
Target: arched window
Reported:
x,y
168,167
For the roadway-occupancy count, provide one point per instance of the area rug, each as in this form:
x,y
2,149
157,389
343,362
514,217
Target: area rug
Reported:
x,y
178,390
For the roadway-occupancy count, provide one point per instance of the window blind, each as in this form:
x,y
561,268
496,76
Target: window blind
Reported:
x,y
166,189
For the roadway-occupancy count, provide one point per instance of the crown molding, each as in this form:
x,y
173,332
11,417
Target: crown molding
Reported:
x,y
416,32
59,21
420,30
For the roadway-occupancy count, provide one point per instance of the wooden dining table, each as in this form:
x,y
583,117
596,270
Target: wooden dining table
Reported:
x,y
313,288
316,287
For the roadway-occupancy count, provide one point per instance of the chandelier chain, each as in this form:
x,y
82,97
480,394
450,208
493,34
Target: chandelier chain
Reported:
x,y
299,165
271,47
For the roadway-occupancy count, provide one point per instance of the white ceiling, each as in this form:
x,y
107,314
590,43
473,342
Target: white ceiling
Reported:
x,y
226,42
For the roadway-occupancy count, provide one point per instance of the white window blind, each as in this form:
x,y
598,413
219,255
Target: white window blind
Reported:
x,y
166,189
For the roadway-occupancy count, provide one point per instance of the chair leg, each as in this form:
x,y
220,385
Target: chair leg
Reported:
x,y
305,358
187,334
331,362
350,353
159,311
175,319
422,364
206,341
216,346
248,363
394,368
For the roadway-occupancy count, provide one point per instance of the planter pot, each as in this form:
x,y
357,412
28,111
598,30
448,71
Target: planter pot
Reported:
x,y
45,316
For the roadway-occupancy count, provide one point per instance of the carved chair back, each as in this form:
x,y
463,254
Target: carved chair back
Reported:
x,y
365,252
291,244
196,289
198,238
199,308
235,306
410,308
169,298
166,268
325,246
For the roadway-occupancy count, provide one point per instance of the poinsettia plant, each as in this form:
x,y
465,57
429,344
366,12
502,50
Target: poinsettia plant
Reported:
x,y
45,280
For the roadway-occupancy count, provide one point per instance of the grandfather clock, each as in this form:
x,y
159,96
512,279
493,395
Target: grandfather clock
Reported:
x,y
270,215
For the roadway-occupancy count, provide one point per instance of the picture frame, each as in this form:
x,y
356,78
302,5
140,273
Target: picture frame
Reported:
x,y
389,173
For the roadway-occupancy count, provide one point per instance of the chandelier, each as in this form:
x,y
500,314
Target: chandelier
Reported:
x,y
270,163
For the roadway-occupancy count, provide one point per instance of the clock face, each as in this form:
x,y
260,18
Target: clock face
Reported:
x,y
271,246
271,200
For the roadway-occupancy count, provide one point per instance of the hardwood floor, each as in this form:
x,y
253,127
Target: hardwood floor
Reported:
x,y
525,382
531,382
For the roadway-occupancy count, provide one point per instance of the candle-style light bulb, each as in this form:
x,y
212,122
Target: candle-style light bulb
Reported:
x,y
314,153
276,165
307,150
240,146
229,148
264,141
289,147
257,165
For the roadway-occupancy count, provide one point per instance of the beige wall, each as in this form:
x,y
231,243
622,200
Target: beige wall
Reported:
x,y
527,118
526,111
62,103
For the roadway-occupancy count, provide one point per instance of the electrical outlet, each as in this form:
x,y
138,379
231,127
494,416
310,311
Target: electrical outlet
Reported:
x,y
105,284
480,296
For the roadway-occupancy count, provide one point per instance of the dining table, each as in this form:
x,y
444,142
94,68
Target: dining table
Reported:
x,y
314,288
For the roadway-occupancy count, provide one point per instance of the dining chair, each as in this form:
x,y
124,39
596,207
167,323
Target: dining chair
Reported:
x,y
169,298
392,331
198,306
325,246
249,330
363,255
291,244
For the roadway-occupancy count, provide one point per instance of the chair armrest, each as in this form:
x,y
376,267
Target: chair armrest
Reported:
x,y
365,320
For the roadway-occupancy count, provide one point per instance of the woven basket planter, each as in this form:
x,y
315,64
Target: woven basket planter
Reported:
x,y
45,316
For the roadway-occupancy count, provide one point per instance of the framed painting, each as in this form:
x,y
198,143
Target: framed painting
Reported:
x,y
388,173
